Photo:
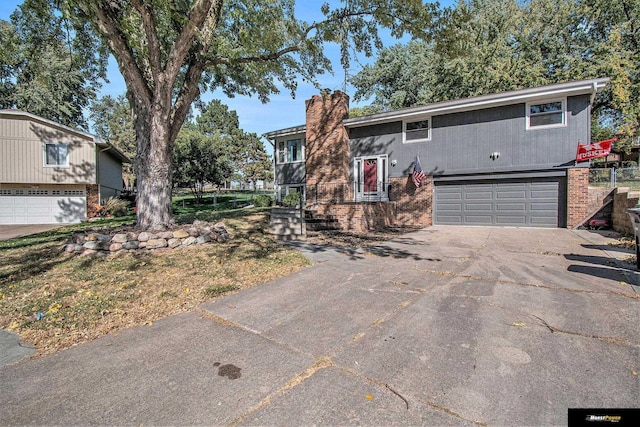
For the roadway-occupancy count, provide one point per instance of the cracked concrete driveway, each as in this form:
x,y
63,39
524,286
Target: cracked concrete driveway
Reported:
x,y
444,326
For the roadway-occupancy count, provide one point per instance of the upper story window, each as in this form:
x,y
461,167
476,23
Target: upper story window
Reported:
x,y
546,114
290,151
56,154
417,131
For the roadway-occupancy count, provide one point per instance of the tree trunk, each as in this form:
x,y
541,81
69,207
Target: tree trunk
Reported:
x,y
154,160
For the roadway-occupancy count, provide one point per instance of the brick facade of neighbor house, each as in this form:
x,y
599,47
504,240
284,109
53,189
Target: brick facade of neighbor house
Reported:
x,y
93,198
327,140
577,196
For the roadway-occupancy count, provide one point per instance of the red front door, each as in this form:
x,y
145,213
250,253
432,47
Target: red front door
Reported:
x,y
370,176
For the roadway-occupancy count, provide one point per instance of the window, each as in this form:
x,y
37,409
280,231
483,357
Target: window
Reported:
x,y
546,114
282,153
294,150
290,151
419,130
56,155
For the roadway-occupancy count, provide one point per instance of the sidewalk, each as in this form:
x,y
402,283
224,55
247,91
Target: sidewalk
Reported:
x,y
444,326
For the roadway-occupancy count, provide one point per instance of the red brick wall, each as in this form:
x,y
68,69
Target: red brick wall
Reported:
x,y
93,198
577,196
414,205
360,217
327,140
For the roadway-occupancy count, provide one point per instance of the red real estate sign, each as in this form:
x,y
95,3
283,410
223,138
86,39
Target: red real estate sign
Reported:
x,y
597,149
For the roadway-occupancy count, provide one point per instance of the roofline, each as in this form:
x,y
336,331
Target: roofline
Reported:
x,y
578,87
97,141
285,132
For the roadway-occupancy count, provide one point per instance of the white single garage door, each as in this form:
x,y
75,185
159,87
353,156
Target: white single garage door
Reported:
x,y
42,206
532,202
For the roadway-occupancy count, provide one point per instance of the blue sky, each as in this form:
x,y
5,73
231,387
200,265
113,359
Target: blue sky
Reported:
x,y
282,111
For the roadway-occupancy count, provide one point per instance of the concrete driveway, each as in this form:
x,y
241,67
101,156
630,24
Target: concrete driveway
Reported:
x,y
12,231
444,326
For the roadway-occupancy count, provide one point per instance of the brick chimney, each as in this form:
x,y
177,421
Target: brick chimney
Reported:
x,y
327,140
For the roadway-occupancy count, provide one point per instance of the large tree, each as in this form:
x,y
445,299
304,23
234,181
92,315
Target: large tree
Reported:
x,y
487,46
169,51
49,66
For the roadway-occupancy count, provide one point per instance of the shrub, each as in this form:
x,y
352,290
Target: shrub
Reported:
x,y
291,199
116,207
262,201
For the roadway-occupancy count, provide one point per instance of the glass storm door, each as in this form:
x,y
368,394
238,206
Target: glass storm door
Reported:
x,y
370,175
371,178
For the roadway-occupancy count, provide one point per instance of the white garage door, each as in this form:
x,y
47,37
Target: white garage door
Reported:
x,y
42,206
512,202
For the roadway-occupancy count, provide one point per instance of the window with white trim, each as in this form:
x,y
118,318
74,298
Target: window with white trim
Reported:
x,y
290,151
56,154
417,130
541,115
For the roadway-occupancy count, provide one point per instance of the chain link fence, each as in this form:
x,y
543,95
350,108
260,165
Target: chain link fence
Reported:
x,y
615,177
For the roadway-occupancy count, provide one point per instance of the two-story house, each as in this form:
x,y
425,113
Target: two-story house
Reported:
x,y
50,173
506,159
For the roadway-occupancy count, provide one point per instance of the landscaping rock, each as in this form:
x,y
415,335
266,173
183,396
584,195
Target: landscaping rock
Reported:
x,y
174,243
189,241
120,238
180,234
203,239
101,241
146,236
73,248
98,237
156,243
132,244
94,245
166,235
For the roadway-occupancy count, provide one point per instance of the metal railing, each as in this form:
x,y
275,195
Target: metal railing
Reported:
x,y
323,193
615,177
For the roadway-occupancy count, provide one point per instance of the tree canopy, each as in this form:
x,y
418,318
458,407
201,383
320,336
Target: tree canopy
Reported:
x,y
49,66
488,46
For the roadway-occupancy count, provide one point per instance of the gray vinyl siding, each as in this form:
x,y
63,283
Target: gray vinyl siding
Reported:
x,y
290,173
109,176
462,142
22,154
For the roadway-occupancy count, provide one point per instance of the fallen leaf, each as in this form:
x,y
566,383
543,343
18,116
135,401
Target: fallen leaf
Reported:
x,y
634,373
186,291
14,325
148,322
369,397
520,324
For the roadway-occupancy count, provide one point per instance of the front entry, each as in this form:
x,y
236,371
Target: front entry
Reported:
x,y
371,178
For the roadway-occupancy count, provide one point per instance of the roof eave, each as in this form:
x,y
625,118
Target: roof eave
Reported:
x,y
484,101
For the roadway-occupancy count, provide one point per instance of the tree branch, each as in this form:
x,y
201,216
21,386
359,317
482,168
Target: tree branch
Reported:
x,y
188,92
153,48
108,26
202,11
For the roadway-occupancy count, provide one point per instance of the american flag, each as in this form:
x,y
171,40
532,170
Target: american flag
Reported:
x,y
418,174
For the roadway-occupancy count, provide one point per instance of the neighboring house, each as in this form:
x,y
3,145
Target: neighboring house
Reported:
x,y
50,173
502,159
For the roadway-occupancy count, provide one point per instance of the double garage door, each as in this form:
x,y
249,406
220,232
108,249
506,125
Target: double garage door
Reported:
x,y
42,206
527,202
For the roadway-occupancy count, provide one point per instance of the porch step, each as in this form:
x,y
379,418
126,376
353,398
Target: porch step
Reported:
x,y
287,224
318,222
